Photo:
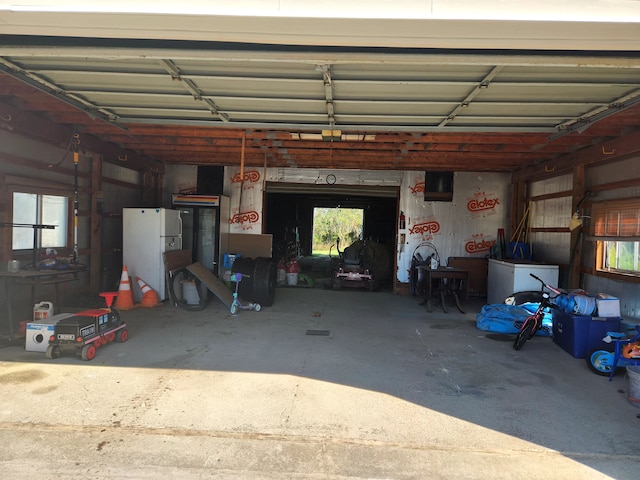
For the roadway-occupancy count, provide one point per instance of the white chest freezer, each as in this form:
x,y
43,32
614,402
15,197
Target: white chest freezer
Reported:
x,y
508,276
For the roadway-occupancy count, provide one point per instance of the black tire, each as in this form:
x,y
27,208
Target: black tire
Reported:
x,y
122,335
525,333
264,281
178,276
88,352
259,283
53,351
594,361
518,298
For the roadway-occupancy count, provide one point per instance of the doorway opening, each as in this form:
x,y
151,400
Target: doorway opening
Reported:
x,y
329,224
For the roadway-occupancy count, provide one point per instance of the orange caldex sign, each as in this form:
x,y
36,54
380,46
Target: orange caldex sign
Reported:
x,y
251,176
245,217
479,244
482,202
423,228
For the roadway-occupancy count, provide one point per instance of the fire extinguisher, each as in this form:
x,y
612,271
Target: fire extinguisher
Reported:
x,y
402,221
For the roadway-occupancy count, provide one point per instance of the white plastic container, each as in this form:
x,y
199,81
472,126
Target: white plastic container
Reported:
x,y
632,384
292,279
42,311
190,292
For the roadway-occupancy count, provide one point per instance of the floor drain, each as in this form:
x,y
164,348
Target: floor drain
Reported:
x,y
321,333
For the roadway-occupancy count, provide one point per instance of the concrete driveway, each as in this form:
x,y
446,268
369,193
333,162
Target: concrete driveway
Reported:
x,y
322,385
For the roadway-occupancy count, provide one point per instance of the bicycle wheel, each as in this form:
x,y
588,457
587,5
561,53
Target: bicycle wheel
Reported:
x,y
525,333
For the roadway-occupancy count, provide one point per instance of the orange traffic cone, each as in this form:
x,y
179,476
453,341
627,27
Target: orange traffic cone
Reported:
x,y
124,301
149,295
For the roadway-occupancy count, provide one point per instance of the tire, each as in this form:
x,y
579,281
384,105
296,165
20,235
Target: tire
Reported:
x,y
178,276
265,275
595,362
53,351
525,333
518,298
88,352
257,307
122,335
234,309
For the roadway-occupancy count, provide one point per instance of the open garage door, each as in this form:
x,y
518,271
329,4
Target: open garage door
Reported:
x,y
289,213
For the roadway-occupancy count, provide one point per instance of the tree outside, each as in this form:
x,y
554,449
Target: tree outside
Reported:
x,y
332,223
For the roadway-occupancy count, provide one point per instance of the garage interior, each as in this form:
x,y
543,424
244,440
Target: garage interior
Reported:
x,y
537,120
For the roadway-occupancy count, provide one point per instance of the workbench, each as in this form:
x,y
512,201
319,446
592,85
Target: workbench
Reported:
x,y
451,281
35,278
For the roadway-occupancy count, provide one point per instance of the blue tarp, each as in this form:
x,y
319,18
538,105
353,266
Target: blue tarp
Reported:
x,y
503,318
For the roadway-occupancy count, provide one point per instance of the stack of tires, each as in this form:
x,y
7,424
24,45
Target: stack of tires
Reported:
x,y
258,283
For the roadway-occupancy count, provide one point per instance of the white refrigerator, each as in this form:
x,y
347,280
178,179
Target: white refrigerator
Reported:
x,y
148,233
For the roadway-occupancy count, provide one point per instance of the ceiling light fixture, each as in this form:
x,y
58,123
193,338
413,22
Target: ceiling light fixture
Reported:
x,y
331,135
326,135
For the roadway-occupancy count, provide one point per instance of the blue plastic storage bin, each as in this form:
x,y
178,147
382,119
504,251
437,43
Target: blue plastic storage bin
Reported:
x,y
578,335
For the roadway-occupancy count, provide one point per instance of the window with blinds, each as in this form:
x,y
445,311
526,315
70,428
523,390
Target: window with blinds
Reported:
x,y
619,218
616,226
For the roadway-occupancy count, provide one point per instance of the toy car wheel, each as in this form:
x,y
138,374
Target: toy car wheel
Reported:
x,y
257,307
234,309
88,352
53,351
122,335
599,362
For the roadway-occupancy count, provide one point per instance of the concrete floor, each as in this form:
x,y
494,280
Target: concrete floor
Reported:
x,y
392,392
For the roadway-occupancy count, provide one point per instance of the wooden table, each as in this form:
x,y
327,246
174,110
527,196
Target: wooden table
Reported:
x,y
451,281
33,278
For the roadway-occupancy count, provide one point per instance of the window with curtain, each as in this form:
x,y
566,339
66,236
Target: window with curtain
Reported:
x,y
616,226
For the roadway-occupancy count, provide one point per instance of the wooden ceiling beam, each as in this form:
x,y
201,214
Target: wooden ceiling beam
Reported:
x,y
40,128
609,151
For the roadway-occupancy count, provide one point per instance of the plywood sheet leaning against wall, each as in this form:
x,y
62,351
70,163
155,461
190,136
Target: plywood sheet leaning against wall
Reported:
x,y
213,283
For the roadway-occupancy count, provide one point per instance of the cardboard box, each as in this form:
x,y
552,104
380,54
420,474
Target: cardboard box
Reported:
x,y
608,306
579,335
37,333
